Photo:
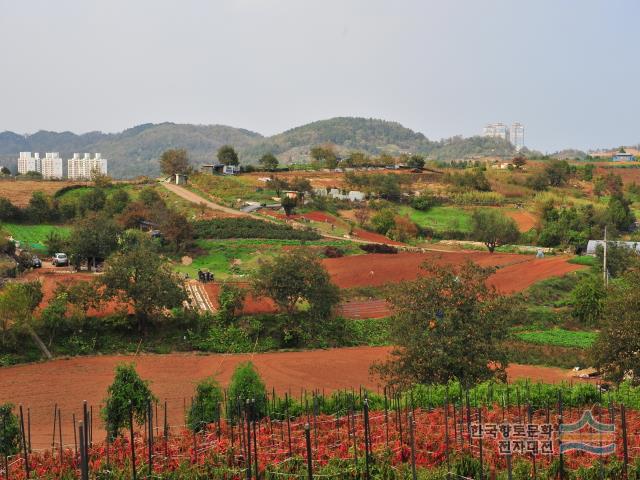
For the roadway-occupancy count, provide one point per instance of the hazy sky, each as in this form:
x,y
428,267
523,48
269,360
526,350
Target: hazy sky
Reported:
x,y
567,69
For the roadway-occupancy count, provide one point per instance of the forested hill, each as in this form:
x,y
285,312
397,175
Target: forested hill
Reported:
x,y
135,151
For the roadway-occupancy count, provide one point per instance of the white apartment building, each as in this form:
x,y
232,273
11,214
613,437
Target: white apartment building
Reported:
x,y
51,166
83,168
28,162
517,135
496,130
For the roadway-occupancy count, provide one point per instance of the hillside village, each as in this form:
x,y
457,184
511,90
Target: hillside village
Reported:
x,y
285,240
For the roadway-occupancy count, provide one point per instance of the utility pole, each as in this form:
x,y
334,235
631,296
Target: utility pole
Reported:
x,y
604,266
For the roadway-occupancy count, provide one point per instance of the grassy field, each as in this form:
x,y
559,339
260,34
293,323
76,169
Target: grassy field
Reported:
x,y
558,337
19,192
228,189
33,236
76,193
240,256
587,260
440,218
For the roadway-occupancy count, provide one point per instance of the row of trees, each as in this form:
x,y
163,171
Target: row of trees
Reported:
x,y
176,160
130,393
135,277
97,235
129,396
574,226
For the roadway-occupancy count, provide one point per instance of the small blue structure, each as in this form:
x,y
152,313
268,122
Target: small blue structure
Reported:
x,y
623,157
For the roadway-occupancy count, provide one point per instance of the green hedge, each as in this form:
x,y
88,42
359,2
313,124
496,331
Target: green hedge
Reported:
x,y
249,228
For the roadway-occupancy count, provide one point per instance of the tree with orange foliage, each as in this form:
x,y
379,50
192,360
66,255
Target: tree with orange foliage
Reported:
x,y
448,325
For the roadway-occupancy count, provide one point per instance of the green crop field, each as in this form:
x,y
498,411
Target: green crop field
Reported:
x,y
440,218
584,260
240,256
558,337
229,189
76,194
33,236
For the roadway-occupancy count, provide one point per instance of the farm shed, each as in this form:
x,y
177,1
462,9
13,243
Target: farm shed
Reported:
x,y
220,168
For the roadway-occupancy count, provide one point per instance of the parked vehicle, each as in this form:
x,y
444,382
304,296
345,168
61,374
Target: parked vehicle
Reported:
x,y
60,260
35,262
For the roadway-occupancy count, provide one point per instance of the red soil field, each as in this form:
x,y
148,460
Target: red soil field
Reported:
x,y
361,234
525,220
280,216
68,382
628,175
319,217
365,309
252,305
516,272
515,278
52,278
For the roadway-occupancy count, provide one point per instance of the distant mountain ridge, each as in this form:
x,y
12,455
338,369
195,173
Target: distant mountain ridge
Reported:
x,y
135,151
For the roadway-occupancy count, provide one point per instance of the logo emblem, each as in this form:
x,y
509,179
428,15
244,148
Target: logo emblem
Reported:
x,y
599,439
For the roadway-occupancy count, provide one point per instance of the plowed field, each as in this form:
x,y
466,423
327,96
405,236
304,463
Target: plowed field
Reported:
x,y
20,191
515,272
173,377
525,220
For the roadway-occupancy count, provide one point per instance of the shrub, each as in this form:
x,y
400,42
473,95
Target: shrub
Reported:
x,y
230,301
424,201
8,211
68,188
333,252
378,248
127,394
477,198
404,229
9,431
55,243
538,182
474,178
249,228
288,204
246,384
221,339
205,407
383,221
588,300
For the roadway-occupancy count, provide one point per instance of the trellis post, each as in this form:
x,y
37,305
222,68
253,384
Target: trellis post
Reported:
x,y
307,435
414,474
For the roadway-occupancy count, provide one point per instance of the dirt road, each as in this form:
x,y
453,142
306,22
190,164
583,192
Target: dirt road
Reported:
x,y
173,377
195,198
367,237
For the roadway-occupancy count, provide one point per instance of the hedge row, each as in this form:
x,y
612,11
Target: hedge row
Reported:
x,y
378,248
249,228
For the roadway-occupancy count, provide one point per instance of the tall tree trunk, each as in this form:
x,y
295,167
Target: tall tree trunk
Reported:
x,y
40,343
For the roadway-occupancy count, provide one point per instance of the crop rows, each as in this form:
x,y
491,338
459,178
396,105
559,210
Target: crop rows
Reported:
x,y
348,445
